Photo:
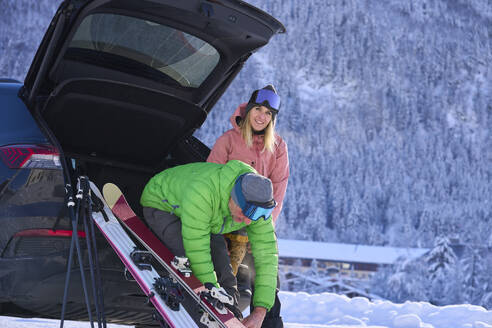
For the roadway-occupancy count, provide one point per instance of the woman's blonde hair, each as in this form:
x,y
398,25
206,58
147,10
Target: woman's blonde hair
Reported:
x,y
247,133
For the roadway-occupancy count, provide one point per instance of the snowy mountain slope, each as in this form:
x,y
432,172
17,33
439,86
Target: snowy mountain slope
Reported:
x,y
386,110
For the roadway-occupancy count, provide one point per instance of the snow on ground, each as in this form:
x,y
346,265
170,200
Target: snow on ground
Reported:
x,y
10,322
301,310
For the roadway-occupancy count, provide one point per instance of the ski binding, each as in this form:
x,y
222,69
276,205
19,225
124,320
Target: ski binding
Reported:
x,y
170,291
182,264
142,259
218,297
209,322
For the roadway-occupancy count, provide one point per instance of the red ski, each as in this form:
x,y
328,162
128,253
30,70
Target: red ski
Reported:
x,y
122,210
164,294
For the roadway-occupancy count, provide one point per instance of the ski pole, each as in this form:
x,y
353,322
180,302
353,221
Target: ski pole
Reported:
x,y
70,205
84,187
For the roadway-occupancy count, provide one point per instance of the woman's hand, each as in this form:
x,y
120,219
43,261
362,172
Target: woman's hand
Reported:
x,y
255,319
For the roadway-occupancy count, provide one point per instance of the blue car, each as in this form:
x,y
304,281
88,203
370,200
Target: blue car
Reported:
x,y
115,92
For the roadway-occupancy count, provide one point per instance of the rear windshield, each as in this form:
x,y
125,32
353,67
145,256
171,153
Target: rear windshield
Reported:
x,y
182,57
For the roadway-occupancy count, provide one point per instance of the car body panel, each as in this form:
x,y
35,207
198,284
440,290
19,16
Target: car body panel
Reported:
x,y
20,126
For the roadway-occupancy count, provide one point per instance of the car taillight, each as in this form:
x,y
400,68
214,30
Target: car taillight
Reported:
x,y
48,233
30,156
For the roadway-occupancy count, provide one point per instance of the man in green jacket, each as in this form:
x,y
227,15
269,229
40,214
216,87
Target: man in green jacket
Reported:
x,y
190,206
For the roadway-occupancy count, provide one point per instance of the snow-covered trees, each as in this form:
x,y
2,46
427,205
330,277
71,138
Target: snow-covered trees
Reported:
x,y
441,272
439,276
474,279
440,259
405,280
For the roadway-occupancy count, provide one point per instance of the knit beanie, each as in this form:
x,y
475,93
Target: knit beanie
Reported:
x,y
255,189
252,101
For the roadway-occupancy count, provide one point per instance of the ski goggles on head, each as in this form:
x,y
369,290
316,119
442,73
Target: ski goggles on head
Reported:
x,y
266,98
253,210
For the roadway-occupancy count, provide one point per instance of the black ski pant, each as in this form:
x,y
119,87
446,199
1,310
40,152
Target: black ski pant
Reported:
x,y
167,227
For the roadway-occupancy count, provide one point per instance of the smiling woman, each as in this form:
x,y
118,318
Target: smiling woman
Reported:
x,y
253,141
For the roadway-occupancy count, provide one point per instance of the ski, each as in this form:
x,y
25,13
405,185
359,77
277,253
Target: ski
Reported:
x,y
215,313
161,290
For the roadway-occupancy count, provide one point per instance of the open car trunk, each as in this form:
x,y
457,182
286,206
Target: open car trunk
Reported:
x,y
123,82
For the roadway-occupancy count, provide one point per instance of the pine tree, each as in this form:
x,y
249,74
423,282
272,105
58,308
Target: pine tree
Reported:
x,y
441,258
441,270
405,280
472,280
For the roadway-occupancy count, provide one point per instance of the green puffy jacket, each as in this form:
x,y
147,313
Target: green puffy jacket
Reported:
x,y
199,194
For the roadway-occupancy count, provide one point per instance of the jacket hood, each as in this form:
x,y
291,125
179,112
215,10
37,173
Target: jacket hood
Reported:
x,y
237,116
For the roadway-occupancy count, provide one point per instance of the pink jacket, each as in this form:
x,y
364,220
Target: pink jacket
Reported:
x,y
274,166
